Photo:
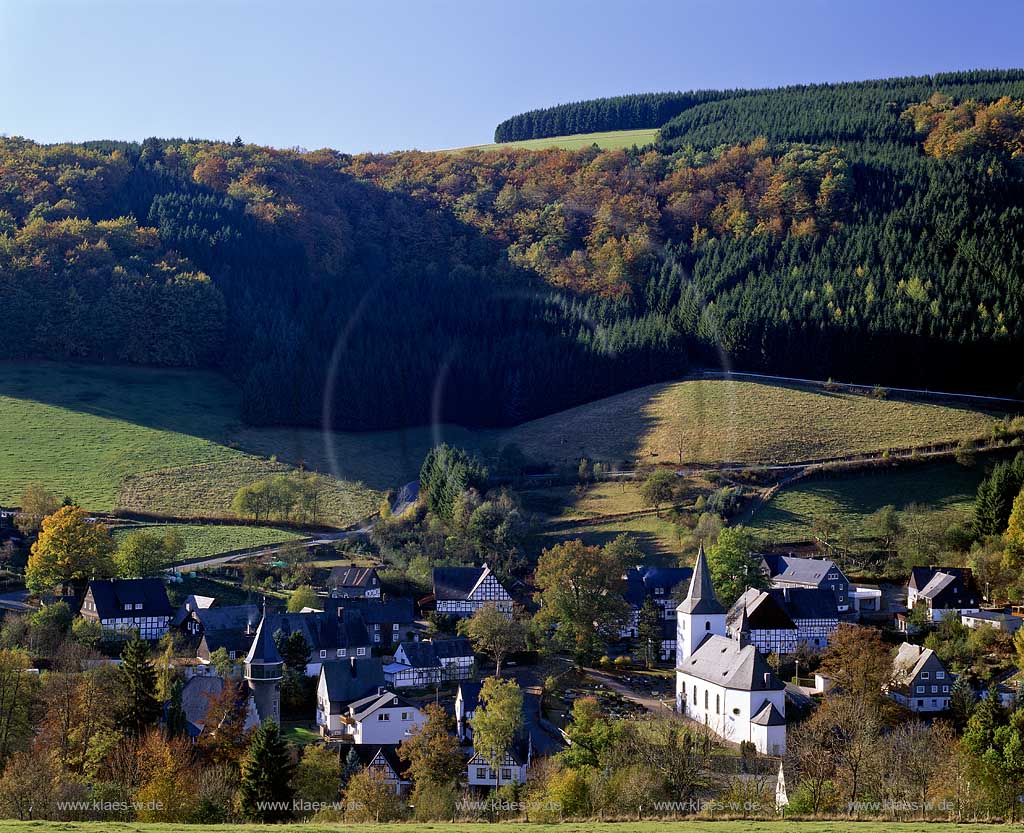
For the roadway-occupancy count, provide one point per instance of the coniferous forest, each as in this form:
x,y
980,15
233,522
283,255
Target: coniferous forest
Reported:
x,y
867,231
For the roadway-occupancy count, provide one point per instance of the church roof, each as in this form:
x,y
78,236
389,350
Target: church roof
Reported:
x,y
725,662
769,716
701,598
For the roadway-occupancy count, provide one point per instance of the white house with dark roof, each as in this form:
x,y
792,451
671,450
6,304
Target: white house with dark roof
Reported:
x,y
342,683
461,591
381,717
920,680
998,620
126,606
943,591
354,582
722,682
384,761
783,619
418,664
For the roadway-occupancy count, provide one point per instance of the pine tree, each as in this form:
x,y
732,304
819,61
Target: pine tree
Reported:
x,y
141,707
349,767
176,722
265,792
961,701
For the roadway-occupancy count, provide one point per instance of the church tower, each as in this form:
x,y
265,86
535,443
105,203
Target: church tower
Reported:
x,y
700,614
263,672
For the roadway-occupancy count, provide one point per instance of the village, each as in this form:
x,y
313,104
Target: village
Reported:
x,y
508,685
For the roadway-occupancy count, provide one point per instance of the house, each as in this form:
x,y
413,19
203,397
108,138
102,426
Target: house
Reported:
x,y
999,620
721,682
127,606
192,603
381,717
466,700
430,663
383,759
231,627
809,573
943,591
341,683
784,618
657,584
461,591
920,680
331,636
354,583
387,620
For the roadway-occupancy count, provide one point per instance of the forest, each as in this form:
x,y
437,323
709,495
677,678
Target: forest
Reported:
x,y
867,231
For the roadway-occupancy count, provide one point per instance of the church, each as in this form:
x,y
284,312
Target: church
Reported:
x,y
725,683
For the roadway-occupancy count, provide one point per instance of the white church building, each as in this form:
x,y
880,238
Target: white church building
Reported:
x,y
722,682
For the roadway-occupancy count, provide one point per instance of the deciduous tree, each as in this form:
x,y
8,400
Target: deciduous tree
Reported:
x,y
69,550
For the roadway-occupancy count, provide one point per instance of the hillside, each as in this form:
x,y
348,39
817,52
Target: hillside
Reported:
x,y
714,421
154,441
607,140
868,231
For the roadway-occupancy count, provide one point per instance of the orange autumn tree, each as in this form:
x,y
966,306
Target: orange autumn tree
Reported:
x,y
69,550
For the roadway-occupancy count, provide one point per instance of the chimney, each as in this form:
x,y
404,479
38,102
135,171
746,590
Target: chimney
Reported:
x,y
352,664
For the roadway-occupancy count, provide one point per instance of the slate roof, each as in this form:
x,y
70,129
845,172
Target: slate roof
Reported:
x,y
229,617
806,602
351,679
325,631
376,611
192,602
470,695
725,662
229,640
956,583
763,612
768,716
430,654
455,583
642,581
909,661
196,695
366,752
352,576
791,569
701,597
365,706
111,595
263,650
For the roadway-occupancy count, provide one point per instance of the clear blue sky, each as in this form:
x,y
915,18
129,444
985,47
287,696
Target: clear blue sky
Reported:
x,y
384,75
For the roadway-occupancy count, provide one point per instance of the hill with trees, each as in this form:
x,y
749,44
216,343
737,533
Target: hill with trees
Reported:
x,y
867,231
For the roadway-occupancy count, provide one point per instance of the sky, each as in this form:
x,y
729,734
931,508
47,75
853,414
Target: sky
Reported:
x,y
380,75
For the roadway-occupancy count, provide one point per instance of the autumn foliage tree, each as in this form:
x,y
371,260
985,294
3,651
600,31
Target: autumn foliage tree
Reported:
x,y
69,550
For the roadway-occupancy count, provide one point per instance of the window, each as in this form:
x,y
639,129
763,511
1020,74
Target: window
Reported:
x,y
394,627
705,698
707,625
341,652
383,716
361,652
231,655
128,607
481,772
405,715
924,675
695,695
718,703
945,689
376,637
376,627
935,689
323,655
506,774
940,675
920,689
138,606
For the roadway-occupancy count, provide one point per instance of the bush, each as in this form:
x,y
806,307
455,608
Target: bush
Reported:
x,y
605,662
623,661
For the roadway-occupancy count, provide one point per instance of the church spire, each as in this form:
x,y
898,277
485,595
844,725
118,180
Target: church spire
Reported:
x,y
701,597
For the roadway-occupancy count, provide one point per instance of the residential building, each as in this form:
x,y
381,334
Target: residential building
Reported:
x,y
722,682
354,583
809,573
659,585
428,663
943,591
124,607
784,618
341,683
920,679
384,760
999,620
381,717
461,591
388,620
192,602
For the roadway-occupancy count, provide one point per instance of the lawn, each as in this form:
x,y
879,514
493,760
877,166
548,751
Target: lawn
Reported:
x,y
210,539
153,440
721,420
851,498
611,140
687,826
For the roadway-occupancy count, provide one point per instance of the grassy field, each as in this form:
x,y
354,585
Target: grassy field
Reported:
x,y
151,440
722,420
688,826
851,498
209,539
612,140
